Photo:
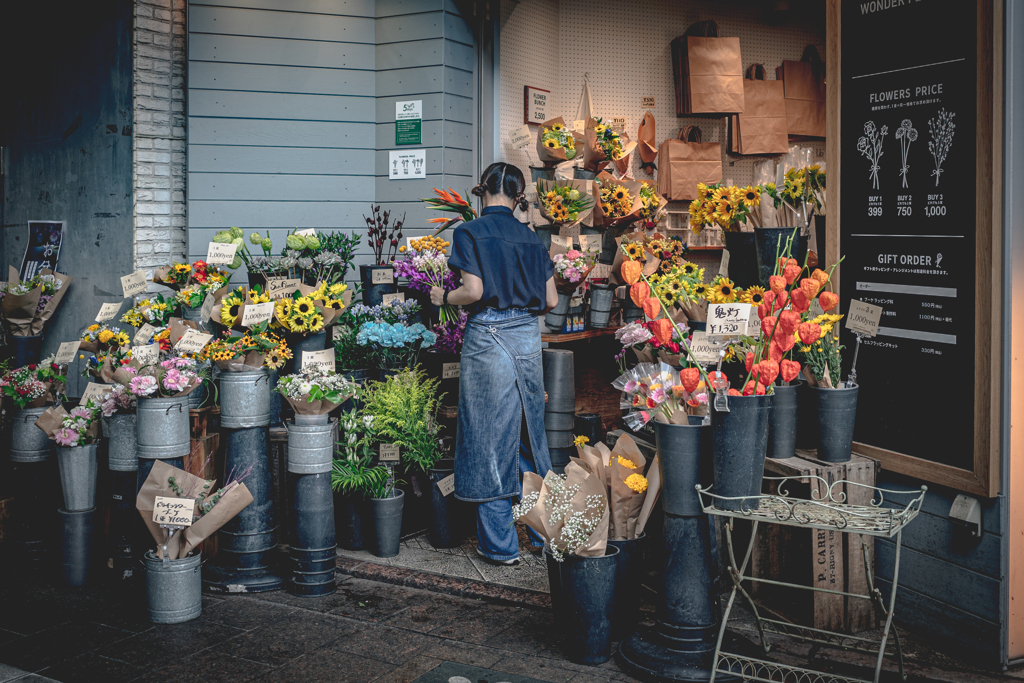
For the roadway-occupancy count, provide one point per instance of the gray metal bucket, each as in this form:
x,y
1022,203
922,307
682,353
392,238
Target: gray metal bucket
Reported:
x,y
28,442
161,430
601,298
174,592
632,313
121,442
560,380
310,448
555,318
583,174
79,469
198,396
245,399
193,314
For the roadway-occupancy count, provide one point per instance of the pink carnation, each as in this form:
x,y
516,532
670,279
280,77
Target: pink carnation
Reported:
x,y
574,253
66,437
143,385
174,380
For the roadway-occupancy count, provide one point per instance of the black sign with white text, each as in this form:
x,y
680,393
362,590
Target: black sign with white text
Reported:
x,y
908,220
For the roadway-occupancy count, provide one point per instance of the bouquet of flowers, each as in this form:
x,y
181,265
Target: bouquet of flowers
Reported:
x,y
177,276
256,349
26,306
620,202
570,511
392,312
306,260
572,267
80,427
230,306
310,309
426,266
556,143
154,310
794,201
118,400
109,348
657,391
34,386
345,247
637,337
652,207
175,376
631,495
451,334
101,337
449,201
668,250
315,393
566,202
726,207
394,345
602,145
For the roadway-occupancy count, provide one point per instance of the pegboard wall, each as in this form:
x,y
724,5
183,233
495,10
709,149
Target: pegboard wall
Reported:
x,y
625,50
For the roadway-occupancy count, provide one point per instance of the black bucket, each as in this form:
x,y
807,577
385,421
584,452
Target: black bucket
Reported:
x,y
560,457
684,456
589,425
446,519
783,427
350,511
39,494
373,295
742,258
435,363
740,439
555,318
631,313
837,414
25,350
588,600
80,535
387,524
628,584
123,518
310,561
819,234
771,241
806,416
559,381
312,518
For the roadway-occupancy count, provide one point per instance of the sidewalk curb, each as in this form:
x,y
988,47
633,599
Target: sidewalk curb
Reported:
x,y
449,585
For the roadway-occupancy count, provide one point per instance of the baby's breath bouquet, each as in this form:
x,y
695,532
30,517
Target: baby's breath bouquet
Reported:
x,y
317,392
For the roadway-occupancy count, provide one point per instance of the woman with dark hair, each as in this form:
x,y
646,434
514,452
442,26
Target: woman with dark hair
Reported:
x,y
507,281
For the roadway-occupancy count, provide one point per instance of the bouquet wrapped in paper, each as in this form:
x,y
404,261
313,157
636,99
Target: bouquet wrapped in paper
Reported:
x,y
34,386
570,511
555,143
178,276
26,306
310,309
316,392
566,202
173,377
256,349
78,428
213,507
619,202
229,307
602,145
631,495
571,266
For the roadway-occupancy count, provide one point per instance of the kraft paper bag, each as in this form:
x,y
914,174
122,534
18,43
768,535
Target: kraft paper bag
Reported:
x,y
686,161
761,128
645,146
713,68
804,91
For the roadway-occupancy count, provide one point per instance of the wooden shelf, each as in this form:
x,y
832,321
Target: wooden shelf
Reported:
x,y
577,336
708,248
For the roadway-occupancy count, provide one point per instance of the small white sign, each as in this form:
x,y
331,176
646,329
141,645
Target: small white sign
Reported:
x,y
388,299
754,324
134,283
728,320
619,122
562,241
647,102
447,485
406,111
144,334
863,318
590,242
192,341
579,125
147,355
257,313
308,232
173,511
382,276
537,101
702,349
107,312
207,310
407,164
317,360
389,453
66,352
282,289
520,137
94,391
220,253
450,370
723,268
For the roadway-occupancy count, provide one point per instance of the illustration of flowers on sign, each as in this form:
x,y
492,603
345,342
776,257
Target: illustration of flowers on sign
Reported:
x,y
906,134
870,145
941,128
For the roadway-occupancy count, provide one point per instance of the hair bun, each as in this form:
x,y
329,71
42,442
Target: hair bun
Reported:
x,y
480,190
523,204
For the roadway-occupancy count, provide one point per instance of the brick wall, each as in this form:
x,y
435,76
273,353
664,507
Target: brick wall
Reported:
x,y
159,132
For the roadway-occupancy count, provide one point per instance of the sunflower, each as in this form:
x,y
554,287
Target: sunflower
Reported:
x,y
315,322
229,309
751,196
702,192
600,128
297,324
675,286
669,297
634,251
225,353
337,289
619,193
94,327
753,296
606,208
723,292
701,290
689,269
303,306
274,359
551,144
336,304
557,127
283,309
120,339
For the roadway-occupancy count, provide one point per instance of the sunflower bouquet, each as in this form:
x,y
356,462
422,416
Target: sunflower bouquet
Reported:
x,y
794,200
177,275
602,145
682,286
620,201
556,143
154,310
668,250
257,348
310,309
566,202
652,207
726,207
230,306
100,337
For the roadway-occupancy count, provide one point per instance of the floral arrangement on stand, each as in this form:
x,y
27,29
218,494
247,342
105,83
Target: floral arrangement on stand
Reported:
x,y
25,307
726,207
449,201
349,354
153,310
175,376
602,145
230,307
178,276
556,143
572,267
309,310
795,202
35,385
305,259
620,202
80,427
425,264
118,400
315,392
657,391
394,345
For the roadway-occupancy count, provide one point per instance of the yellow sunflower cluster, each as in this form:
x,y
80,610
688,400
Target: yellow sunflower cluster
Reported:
x,y
609,141
634,251
723,206
679,283
231,305
637,482
752,295
299,315
723,291
616,201
557,137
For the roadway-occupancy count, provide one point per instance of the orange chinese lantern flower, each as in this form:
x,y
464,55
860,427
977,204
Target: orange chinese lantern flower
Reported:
x,y
752,388
828,300
820,275
800,301
690,377
789,369
766,371
749,361
631,271
786,342
639,292
791,273
775,351
662,330
810,287
809,333
783,262
735,392
788,321
652,307
777,284
768,325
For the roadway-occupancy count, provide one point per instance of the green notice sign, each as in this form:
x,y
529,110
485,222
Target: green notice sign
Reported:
x,y
409,122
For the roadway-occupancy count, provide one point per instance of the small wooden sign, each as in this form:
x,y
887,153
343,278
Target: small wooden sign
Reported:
x,y
520,137
255,314
144,334
537,101
283,288
133,283
450,370
590,242
66,352
863,318
723,267
754,324
220,253
647,102
317,360
192,341
107,312
94,391
619,122
173,511
702,349
389,453
447,485
387,299
383,276
147,355
728,320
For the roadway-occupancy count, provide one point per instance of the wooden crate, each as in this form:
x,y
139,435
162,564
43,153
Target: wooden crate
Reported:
x,y
818,557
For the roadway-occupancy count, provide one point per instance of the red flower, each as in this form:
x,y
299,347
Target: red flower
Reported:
x,y
789,370
828,300
809,333
749,362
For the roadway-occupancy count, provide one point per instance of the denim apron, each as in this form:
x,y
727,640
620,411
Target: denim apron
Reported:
x,y
501,377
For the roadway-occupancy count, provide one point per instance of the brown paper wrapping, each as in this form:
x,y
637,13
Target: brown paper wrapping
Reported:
x,y
553,157
538,519
646,147
306,406
761,128
624,502
653,491
53,418
177,327
229,505
583,186
686,161
594,158
605,222
251,361
20,310
708,71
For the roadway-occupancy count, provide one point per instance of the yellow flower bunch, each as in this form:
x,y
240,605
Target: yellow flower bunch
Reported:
x,y
724,206
634,251
580,441
231,305
637,482
652,205
424,243
616,201
723,291
557,137
626,463
609,141
752,295
299,315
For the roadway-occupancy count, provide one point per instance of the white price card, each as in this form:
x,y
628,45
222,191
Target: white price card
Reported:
x,y
447,485
317,360
647,102
723,267
255,314
308,232
387,299
220,253
863,318
579,125
407,164
754,324
144,334
134,283
207,310
283,288
815,310
590,242
531,192
520,137
728,320
383,276
389,453
618,122
702,349
561,241
107,312
66,352
147,355
173,511
94,391
192,341
450,370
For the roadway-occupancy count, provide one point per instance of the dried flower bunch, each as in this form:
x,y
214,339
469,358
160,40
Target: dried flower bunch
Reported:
x,y
383,236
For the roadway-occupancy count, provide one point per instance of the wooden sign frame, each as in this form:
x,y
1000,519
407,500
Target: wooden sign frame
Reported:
x,y
527,90
983,478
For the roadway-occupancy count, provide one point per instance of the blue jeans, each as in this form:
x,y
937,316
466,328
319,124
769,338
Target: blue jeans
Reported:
x,y
495,529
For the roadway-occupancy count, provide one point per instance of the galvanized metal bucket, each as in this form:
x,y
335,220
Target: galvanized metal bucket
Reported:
x,y
81,533
79,469
121,442
245,399
601,298
28,442
174,591
555,318
161,430
310,447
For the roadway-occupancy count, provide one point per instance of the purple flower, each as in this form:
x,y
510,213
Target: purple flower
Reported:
x,y
66,437
450,335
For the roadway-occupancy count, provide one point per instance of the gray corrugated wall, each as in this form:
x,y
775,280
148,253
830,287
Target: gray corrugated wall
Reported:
x,y
291,111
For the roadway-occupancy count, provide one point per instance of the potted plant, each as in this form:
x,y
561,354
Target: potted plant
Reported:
x,y
76,435
32,389
354,477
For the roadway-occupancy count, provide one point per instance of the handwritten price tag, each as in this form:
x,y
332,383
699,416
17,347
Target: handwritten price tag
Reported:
x,y
220,253
728,320
815,310
863,318
590,242
308,232
754,324
144,334
387,299
133,283
562,241
282,289
173,511
450,370
107,312
147,355
383,276
447,485
647,102
66,352
702,349
723,268
389,453
579,125
257,313
192,341
94,391
618,122
520,137
317,360
207,309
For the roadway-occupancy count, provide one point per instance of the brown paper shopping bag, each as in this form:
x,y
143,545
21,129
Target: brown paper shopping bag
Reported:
x,y
645,144
713,69
761,127
686,161
804,87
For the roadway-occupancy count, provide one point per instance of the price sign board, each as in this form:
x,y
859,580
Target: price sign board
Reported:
x,y
192,341
220,253
520,137
107,312
95,392
134,283
863,318
144,334
447,485
389,453
728,321
207,309
537,100
317,360
66,352
257,313
387,299
619,122
383,276
450,370
647,102
173,511
147,355
579,125
702,348
283,288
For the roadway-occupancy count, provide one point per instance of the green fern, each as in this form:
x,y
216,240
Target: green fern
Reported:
x,y
404,409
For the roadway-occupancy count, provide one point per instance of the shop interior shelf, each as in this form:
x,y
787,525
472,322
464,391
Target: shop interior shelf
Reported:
x,y
577,336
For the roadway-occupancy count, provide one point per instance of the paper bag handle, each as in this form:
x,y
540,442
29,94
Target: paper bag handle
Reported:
x,y
707,29
690,134
754,70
